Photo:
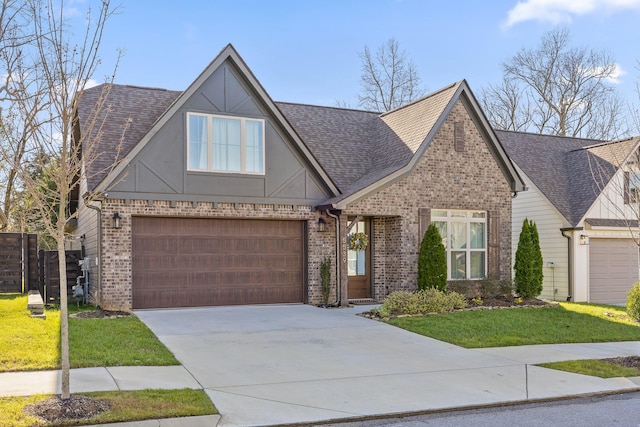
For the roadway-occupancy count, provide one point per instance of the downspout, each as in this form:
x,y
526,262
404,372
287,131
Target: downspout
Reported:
x,y
99,280
335,217
570,259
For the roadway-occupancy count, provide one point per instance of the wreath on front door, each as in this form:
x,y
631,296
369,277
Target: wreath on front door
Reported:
x,y
358,241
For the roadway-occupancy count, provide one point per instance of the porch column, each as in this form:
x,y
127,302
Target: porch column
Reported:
x,y
343,260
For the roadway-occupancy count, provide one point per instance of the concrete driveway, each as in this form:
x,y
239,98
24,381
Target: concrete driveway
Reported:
x,y
265,365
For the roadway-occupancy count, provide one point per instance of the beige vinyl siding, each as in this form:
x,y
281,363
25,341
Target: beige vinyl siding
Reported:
x,y
533,205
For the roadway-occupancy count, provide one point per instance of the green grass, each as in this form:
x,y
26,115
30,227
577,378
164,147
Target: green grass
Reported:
x,y
124,406
565,323
34,344
595,368
124,341
27,343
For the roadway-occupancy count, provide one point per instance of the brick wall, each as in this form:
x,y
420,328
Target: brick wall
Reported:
x,y
444,178
116,293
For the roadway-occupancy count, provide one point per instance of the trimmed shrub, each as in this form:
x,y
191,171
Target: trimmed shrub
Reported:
x,y
528,263
432,261
506,287
633,302
421,302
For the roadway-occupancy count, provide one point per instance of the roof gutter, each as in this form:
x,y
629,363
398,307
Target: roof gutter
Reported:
x,y
99,243
570,258
336,303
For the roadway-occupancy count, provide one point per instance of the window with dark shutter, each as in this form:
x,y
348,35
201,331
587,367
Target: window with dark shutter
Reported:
x,y
458,136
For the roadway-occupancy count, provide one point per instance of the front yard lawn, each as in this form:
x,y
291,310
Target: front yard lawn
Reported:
x,y
596,368
565,323
28,343
124,406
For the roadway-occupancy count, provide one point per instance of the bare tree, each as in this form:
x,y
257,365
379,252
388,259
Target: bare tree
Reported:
x,y
559,90
389,78
14,36
56,69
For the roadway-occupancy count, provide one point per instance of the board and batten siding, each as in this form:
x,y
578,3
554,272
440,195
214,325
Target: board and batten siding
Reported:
x,y
532,204
88,227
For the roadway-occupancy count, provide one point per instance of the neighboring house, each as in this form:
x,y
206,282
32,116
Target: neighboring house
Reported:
x,y
3,219
579,196
223,196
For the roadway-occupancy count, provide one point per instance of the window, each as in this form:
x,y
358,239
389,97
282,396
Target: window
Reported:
x,y
225,144
356,265
464,236
632,187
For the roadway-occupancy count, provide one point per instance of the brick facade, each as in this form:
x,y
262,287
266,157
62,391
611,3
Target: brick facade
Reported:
x,y
444,178
116,283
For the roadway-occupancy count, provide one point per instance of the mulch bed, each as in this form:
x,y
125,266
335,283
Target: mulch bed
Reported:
x,y
100,314
75,408
627,362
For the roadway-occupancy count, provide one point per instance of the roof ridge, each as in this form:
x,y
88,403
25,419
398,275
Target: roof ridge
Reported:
x,y
605,143
302,104
415,101
548,135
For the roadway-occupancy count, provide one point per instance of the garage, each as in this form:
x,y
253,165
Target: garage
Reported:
x,y
613,269
191,262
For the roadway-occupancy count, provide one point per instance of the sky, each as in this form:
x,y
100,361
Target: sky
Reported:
x,y
306,51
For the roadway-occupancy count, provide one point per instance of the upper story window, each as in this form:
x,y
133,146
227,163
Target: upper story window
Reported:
x,y
464,235
225,144
632,187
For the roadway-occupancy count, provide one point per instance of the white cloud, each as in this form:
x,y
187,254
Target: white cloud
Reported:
x,y
617,73
563,11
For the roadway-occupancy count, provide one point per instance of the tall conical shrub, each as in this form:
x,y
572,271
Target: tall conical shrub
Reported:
x,y
432,261
528,263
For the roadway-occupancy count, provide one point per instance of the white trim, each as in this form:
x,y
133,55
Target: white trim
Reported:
x,y
468,219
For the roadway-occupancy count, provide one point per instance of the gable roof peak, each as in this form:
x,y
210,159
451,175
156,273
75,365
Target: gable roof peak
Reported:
x,y
416,101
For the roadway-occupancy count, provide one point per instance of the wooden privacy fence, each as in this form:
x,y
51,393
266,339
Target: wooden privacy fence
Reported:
x,y
24,268
18,262
49,285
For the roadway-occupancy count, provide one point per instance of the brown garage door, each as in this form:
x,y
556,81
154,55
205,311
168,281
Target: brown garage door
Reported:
x,y
613,268
190,262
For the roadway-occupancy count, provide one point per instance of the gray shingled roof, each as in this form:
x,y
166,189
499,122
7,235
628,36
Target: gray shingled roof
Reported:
x,y
125,115
356,148
570,172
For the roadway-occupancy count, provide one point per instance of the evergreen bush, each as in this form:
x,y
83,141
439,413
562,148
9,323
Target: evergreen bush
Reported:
x,y
432,261
633,302
528,263
325,279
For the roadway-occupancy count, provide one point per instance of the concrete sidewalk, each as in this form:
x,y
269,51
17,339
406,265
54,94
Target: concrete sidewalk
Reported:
x,y
97,379
299,364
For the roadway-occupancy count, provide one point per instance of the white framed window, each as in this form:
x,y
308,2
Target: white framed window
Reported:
x,y
225,144
464,236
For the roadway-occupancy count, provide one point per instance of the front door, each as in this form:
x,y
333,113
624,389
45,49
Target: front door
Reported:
x,y
359,268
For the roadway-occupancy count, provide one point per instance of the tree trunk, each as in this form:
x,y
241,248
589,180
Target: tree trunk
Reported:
x,y
64,321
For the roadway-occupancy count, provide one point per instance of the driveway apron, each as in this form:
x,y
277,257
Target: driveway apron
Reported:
x,y
265,365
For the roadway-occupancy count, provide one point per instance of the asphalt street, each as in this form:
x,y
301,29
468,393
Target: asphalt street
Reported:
x,y
620,410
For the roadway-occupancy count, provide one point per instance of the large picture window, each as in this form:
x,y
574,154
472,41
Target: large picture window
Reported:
x,y
464,235
225,144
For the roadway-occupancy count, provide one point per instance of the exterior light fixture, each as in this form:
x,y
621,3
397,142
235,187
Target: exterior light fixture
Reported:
x,y
322,225
584,239
116,221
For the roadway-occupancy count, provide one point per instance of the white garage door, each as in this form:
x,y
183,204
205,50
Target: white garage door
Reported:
x,y
613,270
